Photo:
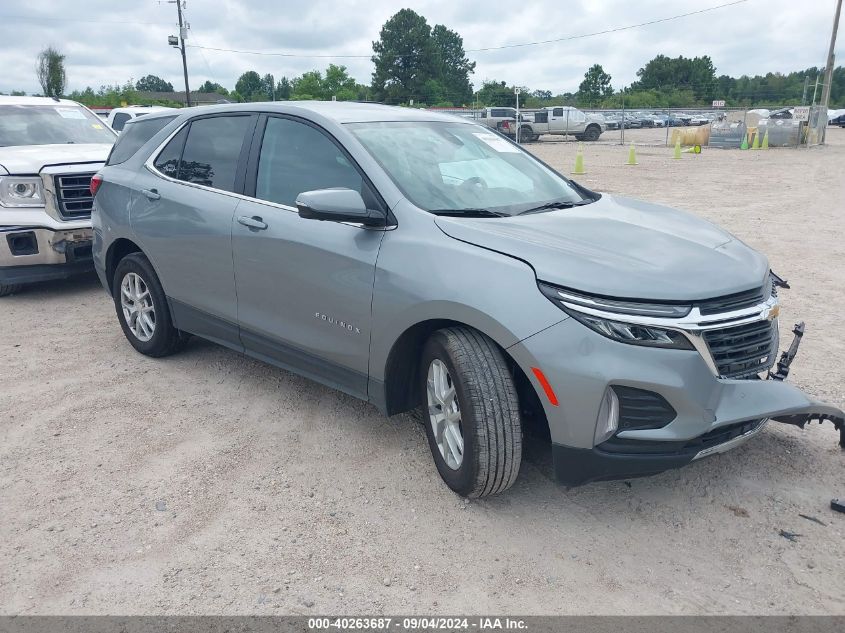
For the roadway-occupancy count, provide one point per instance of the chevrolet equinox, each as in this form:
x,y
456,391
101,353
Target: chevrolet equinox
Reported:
x,y
421,261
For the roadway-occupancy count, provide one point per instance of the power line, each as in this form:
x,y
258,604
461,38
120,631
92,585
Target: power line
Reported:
x,y
39,18
488,48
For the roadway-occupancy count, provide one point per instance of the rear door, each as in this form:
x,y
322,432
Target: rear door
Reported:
x,y
183,204
304,287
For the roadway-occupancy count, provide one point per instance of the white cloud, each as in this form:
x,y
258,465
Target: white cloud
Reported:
x,y
758,36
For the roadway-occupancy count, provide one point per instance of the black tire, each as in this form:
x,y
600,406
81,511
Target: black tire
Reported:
x,y
165,339
489,406
579,137
9,289
525,135
592,133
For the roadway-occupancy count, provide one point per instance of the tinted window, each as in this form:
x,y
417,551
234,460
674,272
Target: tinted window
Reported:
x,y
212,151
119,121
501,112
134,137
296,157
167,162
557,112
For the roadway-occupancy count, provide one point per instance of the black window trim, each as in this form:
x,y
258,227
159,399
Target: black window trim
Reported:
x,y
251,176
239,172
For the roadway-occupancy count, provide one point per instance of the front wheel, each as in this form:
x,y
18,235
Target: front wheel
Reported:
x,y
472,413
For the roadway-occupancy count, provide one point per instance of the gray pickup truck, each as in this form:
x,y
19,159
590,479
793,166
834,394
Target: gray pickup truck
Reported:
x,y
557,120
423,262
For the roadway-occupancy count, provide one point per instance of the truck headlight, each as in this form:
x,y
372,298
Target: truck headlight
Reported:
x,y
21,191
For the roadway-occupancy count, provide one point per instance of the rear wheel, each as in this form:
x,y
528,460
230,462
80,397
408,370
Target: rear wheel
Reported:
x,y
142,308
471,410
9,289
526,135
592,133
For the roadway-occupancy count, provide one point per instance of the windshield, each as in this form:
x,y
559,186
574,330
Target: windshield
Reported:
x,y
447,167
48,124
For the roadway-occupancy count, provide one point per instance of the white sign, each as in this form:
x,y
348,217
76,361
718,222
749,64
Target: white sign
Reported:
x,y
801,113
496,142
719,103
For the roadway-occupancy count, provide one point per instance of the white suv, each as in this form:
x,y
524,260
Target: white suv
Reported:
x,y
118,117
49,149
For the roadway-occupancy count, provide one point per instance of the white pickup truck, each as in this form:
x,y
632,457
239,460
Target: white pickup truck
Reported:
x,y
557,120
566,120
49,149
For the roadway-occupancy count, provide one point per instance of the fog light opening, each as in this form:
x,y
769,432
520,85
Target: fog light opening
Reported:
x,y
608,420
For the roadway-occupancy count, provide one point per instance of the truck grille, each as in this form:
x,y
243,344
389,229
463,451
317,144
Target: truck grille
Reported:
x,y
73,195
745,350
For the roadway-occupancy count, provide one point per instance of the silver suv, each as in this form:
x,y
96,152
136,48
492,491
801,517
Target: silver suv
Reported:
x,y
421,261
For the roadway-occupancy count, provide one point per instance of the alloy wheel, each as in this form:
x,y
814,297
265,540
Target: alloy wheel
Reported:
x,y
137,305
444,414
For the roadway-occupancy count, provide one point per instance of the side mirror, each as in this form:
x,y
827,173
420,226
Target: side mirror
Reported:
x,y
337,205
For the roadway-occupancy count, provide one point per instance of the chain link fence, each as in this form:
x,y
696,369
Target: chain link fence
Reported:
x,y
725,128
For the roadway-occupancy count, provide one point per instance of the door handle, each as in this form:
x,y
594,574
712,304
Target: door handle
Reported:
x,y
151,194
254,223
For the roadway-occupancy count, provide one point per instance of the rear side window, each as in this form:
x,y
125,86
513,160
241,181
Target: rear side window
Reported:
x,y
167,162
119,121
134,137
212,151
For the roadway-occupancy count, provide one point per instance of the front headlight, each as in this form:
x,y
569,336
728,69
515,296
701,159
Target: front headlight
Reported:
x,y
21,191
620,330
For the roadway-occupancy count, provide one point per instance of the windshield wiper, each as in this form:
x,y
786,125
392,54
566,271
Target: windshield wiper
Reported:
x,y
468,213
560,204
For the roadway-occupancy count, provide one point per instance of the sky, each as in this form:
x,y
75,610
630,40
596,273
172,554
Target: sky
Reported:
x,y
111,41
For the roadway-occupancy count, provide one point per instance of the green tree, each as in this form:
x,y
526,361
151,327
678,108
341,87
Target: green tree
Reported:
x,y
283,89
308,86
450,65
595,87
51,72
697,74
210,86
402,58
497,93
250,87
152,83
338,84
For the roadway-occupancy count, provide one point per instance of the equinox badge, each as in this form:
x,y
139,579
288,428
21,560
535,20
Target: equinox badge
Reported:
x,y
332,321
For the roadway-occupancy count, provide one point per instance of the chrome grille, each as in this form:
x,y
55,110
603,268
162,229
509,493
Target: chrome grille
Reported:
x,y
73,195
744,350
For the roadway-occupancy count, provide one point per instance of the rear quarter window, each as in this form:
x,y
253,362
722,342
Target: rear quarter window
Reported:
x,y
134,137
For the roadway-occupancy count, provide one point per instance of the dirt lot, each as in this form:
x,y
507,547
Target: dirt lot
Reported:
x,y
211,483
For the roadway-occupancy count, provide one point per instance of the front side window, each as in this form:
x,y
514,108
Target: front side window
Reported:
x,y
51,124
210,153
459,167
296,157
557,112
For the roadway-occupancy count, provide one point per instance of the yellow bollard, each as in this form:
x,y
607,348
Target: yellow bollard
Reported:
x,y
677,155
632,155
579,161
765,144
756,144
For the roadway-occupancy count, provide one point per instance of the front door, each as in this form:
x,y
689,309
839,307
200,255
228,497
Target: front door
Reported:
x,y
304,286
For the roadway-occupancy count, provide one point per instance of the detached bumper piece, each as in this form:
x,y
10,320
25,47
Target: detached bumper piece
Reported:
x,y
756,400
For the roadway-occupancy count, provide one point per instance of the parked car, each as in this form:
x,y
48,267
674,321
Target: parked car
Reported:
x,y
632,121
49,149
699,119
421,261
118,117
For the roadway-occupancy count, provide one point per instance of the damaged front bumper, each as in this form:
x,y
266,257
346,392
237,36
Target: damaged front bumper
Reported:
x,y
702,414
30,253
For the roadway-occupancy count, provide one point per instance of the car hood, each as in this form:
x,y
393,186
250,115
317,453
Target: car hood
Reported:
x,y
620,247
30,159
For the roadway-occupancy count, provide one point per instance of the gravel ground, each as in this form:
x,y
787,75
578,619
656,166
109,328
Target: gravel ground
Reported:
x,y
211,483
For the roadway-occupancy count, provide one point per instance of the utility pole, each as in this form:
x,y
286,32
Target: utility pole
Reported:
x,y
183,34
828,73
